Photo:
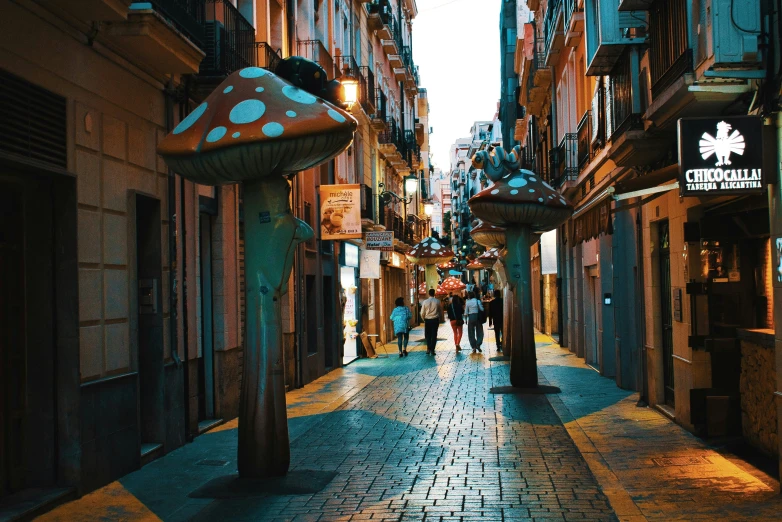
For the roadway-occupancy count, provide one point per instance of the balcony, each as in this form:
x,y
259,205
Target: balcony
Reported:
x,y
229,40
704,76
609,32
584,137
412,150
404,234
367,94
553,31
266,57
573,23
564,166
631,145
539,82
315,50
96,10
420,132
391,146
367,207
167,35
380,115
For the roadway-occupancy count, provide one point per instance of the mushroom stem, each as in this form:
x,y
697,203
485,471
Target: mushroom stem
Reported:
x,y
523,365
432,277
272,233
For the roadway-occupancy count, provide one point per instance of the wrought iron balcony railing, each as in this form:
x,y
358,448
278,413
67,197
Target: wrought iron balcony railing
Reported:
x,y
584,134
366,85
188,16
620,98
381,106
266,57
345,65
229,40
367,203
315,50
669,53
567,159
550,20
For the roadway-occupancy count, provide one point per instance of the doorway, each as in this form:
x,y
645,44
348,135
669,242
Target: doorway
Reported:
x,y
28,415
206,390
12,338
592,318
666,314
330,309
151,376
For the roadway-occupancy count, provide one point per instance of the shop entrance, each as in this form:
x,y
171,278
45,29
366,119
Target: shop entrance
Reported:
x,y
206,395
592,318
666,315
27,335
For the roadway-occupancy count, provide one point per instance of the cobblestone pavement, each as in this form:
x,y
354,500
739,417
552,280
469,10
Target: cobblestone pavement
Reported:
x,y
422,438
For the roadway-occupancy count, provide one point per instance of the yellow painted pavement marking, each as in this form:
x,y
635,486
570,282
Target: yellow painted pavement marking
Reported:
x,y
112,502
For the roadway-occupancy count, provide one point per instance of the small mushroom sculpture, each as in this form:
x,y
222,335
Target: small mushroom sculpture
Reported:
x,y
428,253
524,204
453,284
474,265
257,128
488,258
440,291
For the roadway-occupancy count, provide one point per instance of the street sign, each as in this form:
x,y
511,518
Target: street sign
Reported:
x,y
379,241
721,156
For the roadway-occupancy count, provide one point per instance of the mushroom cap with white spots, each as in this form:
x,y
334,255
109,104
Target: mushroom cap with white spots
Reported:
x,y
256,124
521,198
453,284
430,251
488,235
488,258
474,265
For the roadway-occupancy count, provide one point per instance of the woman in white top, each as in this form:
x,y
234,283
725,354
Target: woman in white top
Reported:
x,y
472,310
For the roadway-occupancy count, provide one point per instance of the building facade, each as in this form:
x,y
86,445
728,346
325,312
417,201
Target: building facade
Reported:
x,y
666,289
128,280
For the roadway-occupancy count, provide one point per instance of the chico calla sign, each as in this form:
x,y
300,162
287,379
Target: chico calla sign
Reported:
x,y
719,156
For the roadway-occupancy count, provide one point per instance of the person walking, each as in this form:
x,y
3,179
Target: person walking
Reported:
x,y
472,310
496,314
430,312
401,316
455,312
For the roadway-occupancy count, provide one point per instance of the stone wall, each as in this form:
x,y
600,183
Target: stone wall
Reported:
x,y
758,411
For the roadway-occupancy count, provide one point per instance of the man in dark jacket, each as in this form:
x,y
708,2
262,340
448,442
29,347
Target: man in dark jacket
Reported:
x,y
496,312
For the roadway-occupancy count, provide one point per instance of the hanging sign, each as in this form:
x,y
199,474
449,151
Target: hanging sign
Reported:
x,y
383,241
721,156
370,264
340,212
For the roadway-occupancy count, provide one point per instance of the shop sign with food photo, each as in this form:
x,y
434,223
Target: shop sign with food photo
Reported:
x,y
340,212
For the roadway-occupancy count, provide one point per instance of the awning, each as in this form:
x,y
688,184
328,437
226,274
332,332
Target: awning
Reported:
x,y
652,179
591,223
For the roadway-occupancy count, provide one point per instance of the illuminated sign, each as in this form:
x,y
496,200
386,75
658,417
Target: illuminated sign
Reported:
x,y
351,254
721,156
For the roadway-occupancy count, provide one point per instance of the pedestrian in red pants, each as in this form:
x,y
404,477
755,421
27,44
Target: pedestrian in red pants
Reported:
x,y
456,315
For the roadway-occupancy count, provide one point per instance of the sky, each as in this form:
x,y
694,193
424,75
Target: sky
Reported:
x,y
456,45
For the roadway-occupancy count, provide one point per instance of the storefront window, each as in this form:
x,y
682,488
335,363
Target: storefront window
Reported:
x,y
720,261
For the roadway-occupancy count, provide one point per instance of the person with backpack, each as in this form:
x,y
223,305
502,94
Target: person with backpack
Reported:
x,y
455,312
401,316
476,316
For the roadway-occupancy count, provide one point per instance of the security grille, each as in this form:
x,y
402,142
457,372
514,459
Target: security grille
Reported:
x,y
32,121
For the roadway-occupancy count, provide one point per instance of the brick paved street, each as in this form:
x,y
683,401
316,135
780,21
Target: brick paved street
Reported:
x,y
422,438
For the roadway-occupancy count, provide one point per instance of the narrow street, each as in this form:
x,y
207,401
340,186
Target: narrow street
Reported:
x,y
422,438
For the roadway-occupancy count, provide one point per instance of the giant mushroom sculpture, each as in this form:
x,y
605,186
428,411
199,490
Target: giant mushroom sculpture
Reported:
x,y
488,235
453,284
429,252
257,128
524,204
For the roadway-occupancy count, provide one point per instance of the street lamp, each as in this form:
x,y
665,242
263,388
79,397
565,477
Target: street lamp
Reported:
x,y
428,208
411,184
349,89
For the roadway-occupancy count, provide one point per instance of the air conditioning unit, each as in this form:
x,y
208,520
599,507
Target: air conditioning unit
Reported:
x,y
608,32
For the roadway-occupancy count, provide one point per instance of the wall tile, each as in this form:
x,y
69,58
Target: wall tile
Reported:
x,y
90,288
91,351
117,347
88,178
114,137
115,186
115,240
141,147
89,236
115,294
87,126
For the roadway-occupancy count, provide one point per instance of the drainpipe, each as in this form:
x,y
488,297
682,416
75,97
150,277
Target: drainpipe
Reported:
x,y
185,340
170,96
641,307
